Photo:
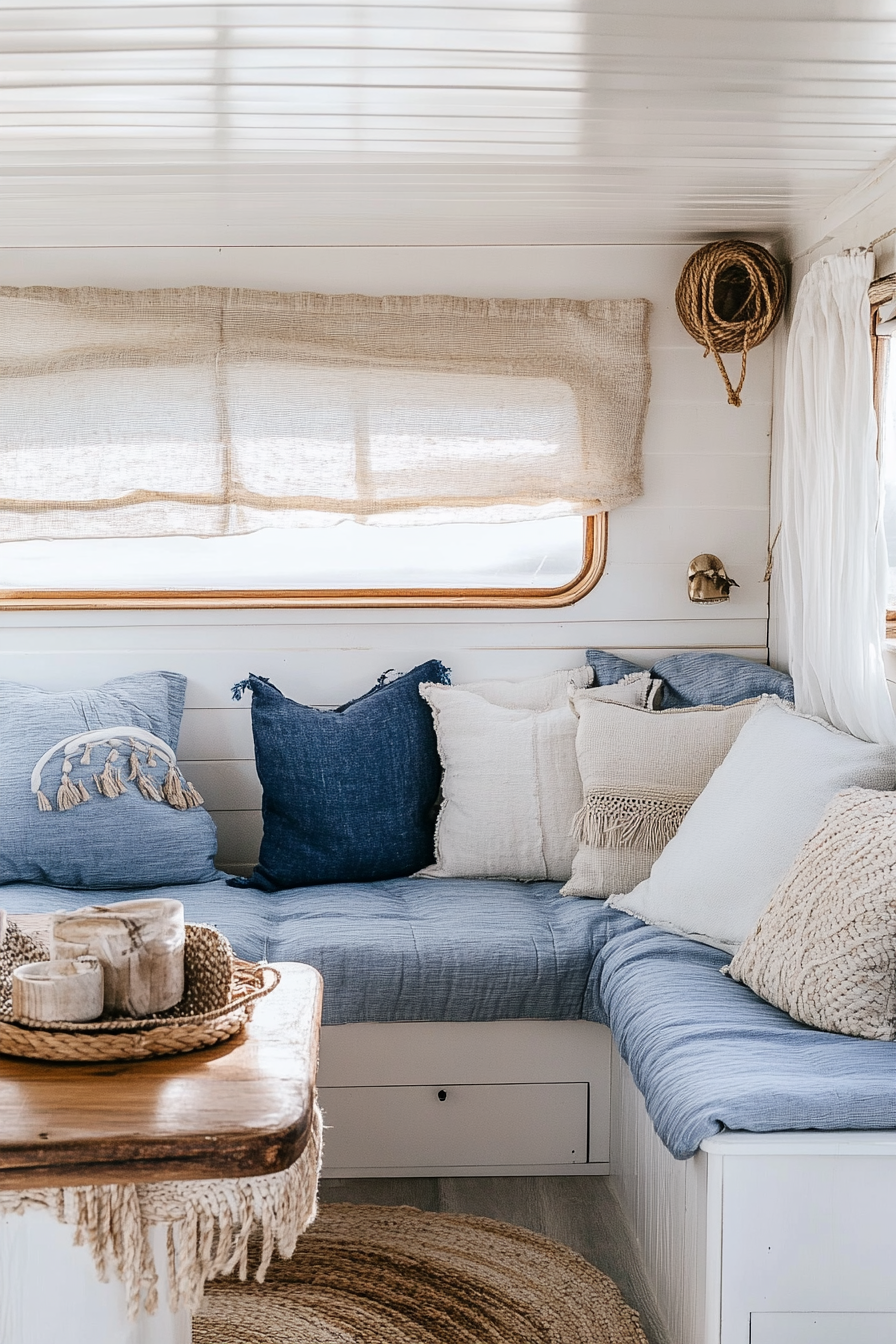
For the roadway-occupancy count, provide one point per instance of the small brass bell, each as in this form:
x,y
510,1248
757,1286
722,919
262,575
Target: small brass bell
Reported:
x,y
708,581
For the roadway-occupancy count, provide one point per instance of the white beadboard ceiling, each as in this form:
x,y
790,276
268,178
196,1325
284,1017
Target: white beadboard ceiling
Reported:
x,y
493,121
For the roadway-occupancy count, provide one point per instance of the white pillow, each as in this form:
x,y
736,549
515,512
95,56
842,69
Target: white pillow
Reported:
x,y
738,841
640,774
551,691
511,785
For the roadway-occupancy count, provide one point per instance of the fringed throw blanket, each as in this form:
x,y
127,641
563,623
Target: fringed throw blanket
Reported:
x,y
209,1224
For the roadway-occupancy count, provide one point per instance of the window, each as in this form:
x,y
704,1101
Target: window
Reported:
x,y
546,562
884,323
196,445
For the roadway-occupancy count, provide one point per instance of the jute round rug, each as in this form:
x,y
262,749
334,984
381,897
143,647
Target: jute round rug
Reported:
x,y
367,1274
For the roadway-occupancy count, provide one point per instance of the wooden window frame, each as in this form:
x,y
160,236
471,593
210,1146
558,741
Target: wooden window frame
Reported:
x,y
594,562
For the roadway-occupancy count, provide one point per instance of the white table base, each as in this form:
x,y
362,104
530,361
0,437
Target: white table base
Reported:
x,y
50,1293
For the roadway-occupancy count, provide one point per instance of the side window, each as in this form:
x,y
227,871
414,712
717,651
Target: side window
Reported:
x,y
884,326
544,562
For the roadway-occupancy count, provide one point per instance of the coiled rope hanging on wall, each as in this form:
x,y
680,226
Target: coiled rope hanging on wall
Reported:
x,y
729,298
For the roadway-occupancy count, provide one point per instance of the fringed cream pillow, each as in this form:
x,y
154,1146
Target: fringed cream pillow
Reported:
x,y
511,787
640,773
824,950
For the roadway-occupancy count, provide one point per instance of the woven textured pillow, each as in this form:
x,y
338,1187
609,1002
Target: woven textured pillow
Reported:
x,y
511,786
824,950
640,774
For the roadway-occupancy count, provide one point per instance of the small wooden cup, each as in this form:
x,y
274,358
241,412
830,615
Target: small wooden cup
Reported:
x,y
140,945
58,991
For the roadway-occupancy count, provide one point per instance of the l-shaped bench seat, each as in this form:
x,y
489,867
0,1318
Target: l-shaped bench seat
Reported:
x,y
468,1032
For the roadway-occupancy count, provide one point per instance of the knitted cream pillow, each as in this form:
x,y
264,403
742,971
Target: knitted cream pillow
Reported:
x,y
825,948
640,774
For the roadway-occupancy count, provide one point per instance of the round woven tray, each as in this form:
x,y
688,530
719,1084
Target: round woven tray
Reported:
x,y
219,995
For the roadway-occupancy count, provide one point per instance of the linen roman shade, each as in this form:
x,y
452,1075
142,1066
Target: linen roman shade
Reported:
x,y
209,412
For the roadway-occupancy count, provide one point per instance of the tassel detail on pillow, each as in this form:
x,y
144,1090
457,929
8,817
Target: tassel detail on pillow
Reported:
x,y
178,793
68,795
613,821
173,790
110,783
145,783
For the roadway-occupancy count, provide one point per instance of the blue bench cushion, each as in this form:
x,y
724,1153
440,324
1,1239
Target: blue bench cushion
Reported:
x,y
410,949
707,1053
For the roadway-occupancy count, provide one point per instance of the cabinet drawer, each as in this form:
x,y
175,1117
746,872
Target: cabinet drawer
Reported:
x,y
466,1125
822,1327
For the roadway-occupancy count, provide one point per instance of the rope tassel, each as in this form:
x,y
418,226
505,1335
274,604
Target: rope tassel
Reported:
x,y
110,783
173,791
68,795
148,788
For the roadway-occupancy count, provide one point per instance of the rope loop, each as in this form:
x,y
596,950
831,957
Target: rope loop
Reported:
x,y
729,298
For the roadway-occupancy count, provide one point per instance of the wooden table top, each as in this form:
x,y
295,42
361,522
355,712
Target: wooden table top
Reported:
x,y
243,1108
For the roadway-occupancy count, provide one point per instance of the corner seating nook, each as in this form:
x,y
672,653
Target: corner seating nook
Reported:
x,y
487,1027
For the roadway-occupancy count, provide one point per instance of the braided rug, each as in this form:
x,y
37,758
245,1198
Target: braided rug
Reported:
x,y
367,1274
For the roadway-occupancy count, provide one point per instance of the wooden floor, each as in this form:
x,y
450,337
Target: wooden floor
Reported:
x,y
580,1211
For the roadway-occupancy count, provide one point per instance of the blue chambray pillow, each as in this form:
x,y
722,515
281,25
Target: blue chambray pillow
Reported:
x,y
90,793
699,678
609,667
349,795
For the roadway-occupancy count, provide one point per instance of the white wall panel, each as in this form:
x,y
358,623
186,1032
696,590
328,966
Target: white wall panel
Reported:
x,y
706,484
666,1204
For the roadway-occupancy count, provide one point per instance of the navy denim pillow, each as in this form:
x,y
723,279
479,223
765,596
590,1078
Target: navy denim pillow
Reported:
x,y
349,795
697,678
70,834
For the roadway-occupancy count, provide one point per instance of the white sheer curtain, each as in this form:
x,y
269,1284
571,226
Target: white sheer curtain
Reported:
x,y
832,549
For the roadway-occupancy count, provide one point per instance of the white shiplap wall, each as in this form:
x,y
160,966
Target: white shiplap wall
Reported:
x,y
706,488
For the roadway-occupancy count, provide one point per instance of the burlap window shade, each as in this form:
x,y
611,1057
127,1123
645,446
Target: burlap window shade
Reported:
x,y
210,412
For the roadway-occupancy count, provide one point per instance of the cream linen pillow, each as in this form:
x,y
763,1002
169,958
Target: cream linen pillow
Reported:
x,y
825,948
640,774
511,787
551,691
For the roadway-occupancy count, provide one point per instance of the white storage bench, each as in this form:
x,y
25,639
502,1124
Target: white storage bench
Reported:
x,y
466,1098
785,1238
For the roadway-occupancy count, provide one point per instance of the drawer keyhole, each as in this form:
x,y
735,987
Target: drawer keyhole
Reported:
x,y
442,1094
